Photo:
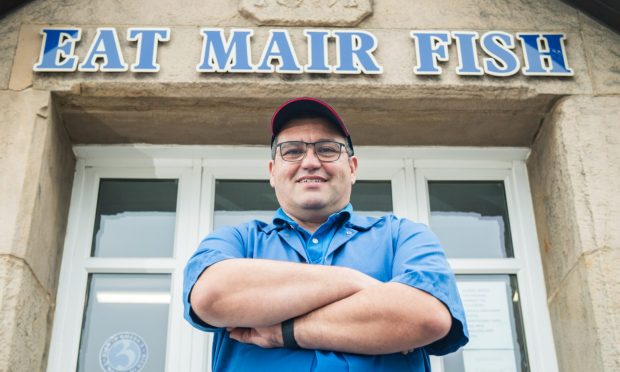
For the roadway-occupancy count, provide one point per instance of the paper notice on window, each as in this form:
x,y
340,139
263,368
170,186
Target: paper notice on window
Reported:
x,y
488,317
489,361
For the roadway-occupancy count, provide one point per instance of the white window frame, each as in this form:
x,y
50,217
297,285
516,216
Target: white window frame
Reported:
x,y
77,264
197,167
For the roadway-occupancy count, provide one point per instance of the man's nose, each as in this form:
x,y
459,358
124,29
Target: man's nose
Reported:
x,y
311,160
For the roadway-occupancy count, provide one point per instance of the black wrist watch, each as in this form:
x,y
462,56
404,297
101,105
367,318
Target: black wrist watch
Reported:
x,y
288,334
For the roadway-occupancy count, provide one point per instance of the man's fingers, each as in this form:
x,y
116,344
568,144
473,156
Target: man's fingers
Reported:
x,y
250,336
240,334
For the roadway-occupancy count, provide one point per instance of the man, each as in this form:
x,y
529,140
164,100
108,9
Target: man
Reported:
x,y
322,288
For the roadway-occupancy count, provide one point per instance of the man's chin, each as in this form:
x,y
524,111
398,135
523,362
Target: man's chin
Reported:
x,y
313,206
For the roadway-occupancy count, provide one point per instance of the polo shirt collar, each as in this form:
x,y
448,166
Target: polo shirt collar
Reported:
x,y
352,219
361,223
282,219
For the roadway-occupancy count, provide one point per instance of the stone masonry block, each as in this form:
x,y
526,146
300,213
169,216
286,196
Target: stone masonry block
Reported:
x,y
306,12
476,14
35,151
17,127
209,13
574,179
601,49
584,314
603,268
24,313
577,344
9,29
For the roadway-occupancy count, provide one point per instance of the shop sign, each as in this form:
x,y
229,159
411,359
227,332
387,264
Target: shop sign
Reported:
x,y
544,54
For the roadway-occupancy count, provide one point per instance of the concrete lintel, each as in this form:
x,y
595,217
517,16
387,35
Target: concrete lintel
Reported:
x,y
238,113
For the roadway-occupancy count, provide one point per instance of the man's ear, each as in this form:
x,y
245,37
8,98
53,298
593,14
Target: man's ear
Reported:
x,y
353,166
271,165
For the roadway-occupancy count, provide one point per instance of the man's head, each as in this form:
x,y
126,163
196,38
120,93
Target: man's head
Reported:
x,y
312,180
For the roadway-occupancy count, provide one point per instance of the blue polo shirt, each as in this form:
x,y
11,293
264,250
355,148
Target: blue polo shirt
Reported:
x,y
386,248
315,244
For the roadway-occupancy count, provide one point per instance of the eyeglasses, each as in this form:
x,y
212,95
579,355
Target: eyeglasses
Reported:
x,y
326,151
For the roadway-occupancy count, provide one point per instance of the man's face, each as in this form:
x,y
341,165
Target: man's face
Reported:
x,y
310,189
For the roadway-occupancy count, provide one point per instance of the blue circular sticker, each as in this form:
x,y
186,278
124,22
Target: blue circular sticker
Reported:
x,y
123,352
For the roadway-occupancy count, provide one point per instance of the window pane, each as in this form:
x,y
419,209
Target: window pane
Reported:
x,y
372,198
238,201
135,218
126,323
496,340
471,218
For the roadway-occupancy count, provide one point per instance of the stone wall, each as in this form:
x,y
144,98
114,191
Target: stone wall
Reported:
x,y
37,165
575,178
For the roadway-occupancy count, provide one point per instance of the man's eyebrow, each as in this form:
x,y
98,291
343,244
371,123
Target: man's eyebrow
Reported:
x,y
327,139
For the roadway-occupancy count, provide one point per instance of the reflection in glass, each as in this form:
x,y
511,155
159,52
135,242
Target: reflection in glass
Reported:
x,y
135,218
372,198
496,340
471,218
126,323
238,201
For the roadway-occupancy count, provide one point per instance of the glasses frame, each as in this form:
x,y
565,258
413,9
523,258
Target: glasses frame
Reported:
x,y
275,150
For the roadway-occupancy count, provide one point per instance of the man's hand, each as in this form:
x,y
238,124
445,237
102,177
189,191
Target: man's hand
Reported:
x,y
266,337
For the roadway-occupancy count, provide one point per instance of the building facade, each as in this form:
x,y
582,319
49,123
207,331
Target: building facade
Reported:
x,y
131,129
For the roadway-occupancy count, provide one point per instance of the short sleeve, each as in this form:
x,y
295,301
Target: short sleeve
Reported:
x,y
419,261
224,243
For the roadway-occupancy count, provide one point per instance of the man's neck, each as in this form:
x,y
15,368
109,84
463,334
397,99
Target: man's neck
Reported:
x,y
310,221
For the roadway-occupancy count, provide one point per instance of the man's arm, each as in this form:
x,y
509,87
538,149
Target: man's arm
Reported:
x,y
382,319
259,293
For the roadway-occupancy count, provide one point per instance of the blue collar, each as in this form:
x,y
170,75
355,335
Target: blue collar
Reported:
x,y
351,219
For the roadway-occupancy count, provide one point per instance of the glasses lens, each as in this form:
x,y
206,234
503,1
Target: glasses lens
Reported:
x,y
293,150
327,150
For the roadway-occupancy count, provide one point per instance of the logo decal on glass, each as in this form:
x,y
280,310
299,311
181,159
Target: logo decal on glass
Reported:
x,y
123,352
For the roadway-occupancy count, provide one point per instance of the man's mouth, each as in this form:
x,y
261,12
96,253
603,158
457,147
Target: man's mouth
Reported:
x,y
311,180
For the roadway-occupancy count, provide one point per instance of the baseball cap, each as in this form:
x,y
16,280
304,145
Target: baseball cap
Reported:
x,y
307,106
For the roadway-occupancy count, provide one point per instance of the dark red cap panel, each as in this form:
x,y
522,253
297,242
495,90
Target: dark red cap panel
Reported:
x,y
306,106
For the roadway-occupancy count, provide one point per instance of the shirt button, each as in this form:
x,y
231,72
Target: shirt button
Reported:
x,y
315,240
349,232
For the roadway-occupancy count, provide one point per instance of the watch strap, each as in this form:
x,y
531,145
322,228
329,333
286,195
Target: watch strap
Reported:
x,y
288,334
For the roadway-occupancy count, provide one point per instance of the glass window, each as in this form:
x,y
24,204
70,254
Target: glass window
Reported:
x,y
126,323
135,218
123,317
372,198
471,218
497,341
238,201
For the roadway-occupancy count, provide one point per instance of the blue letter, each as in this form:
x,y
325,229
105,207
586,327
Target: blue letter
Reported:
x,y
431,46
503,61
57,49
552,54
279,47
355,53
147,47
106,46
468,56
232,57
317,51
